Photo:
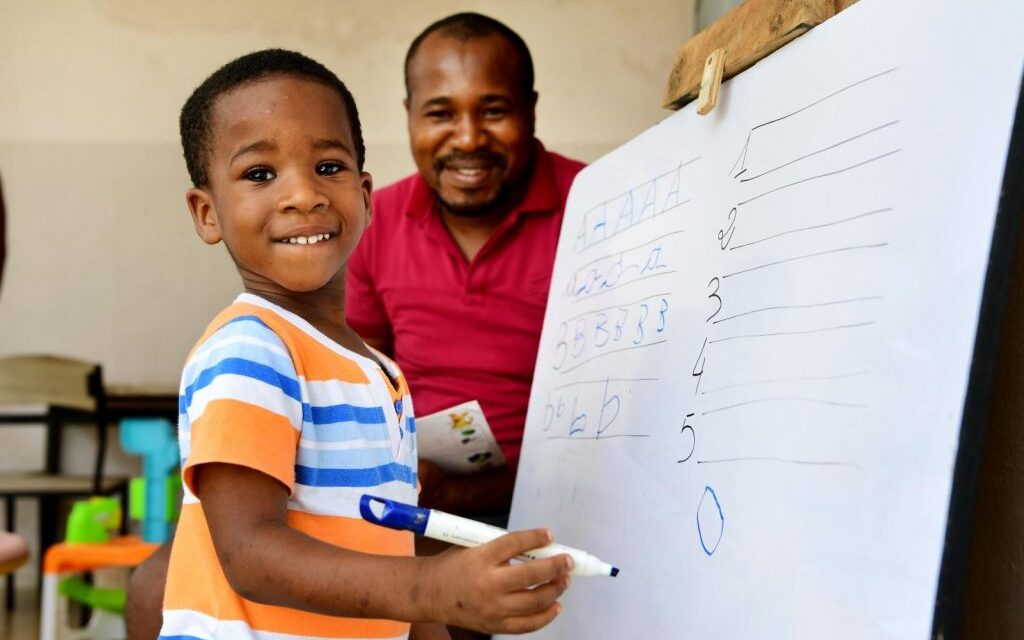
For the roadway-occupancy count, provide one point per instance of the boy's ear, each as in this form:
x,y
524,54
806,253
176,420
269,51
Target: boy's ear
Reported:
x,y
366,184
204,215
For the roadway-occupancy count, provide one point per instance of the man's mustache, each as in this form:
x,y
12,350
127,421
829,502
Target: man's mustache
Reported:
x,y
463,159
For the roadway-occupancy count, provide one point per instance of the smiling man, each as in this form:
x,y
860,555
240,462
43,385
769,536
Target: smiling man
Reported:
x,y
452,277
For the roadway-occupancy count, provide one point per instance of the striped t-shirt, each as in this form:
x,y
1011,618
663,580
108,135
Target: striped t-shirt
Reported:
x,y
265,389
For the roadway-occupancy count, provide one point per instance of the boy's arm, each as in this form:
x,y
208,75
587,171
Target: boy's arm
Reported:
x,y
429,631
267,561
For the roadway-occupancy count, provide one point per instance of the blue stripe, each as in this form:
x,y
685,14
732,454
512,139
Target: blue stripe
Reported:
x,y
346,413
248,318
358,458
247,368
410,424
312,477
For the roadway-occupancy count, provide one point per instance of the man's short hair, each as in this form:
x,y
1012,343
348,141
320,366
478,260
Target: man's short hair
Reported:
x,y
469,26
197,113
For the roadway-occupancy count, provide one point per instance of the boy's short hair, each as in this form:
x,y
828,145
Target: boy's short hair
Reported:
x,y
467,26
196,115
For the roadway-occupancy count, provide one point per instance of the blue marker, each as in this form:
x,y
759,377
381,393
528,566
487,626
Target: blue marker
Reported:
x,y
467,533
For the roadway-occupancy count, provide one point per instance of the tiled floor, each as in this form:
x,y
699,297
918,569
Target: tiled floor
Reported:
x,y
23,622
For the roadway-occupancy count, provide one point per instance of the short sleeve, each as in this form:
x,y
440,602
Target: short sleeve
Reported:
x,y
364,309
242,402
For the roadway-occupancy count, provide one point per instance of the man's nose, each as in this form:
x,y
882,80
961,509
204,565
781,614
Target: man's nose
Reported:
x,y
302,193
469,134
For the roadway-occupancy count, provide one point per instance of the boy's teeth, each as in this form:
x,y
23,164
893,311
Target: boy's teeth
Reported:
x,y
313,239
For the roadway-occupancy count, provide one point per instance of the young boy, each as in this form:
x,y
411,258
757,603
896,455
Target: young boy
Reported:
x,y
287,418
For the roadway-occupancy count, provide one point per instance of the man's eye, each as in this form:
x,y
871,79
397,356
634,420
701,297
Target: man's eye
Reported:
x,y
495,112
439,115
329,168
259,174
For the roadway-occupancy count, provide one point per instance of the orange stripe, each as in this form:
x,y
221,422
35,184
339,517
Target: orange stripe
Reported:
x,y
239,433
196,582
312,360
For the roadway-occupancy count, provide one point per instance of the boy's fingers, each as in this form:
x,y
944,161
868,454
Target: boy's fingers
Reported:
x,y
527,574
531,601
525,624
511,545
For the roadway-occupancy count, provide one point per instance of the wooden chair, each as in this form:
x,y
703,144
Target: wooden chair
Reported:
x,y
53,391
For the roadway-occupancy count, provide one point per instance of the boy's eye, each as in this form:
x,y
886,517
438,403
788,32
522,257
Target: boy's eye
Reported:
x,y
259,174
329,168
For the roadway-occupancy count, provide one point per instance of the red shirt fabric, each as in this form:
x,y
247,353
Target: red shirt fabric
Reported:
x,y
461,330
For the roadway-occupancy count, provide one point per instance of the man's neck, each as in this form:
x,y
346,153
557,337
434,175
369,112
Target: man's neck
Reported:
x,y
471,233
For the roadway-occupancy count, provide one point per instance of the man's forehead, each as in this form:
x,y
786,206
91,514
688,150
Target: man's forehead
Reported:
x,y
443,59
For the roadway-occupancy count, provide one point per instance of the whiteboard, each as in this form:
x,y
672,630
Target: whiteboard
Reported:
x,y
754,363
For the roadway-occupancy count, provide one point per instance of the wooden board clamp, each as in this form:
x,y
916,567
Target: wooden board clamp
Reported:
x,y
748,33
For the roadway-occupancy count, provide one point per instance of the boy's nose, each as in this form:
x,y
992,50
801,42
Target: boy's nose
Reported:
x,y
302,194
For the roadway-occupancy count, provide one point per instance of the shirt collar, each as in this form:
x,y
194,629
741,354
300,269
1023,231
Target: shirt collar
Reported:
x,y
541,194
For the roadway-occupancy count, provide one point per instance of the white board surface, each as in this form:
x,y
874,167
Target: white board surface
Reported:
x,y
752,370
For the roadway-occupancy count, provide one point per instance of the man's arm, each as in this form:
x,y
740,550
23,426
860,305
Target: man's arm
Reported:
x,y
484,493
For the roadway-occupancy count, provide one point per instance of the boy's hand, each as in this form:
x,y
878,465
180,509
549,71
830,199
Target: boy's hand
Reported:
x,y
479,589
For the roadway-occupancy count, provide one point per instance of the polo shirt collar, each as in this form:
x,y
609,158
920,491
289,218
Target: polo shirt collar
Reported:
x,y
541,194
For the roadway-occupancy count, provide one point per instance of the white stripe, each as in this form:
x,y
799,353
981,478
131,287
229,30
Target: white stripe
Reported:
x,y
342,446
249,390
344,501
213,345
325,393
200,625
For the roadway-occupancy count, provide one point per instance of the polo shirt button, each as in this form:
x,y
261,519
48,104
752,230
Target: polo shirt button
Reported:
x,y
398,407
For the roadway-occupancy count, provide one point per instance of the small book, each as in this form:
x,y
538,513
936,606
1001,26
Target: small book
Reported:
x,y
458,440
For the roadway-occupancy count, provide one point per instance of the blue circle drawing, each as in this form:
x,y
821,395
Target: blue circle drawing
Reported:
x,y
710,522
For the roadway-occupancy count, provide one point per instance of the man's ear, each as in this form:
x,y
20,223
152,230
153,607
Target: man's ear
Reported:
x,y
204,215
366,184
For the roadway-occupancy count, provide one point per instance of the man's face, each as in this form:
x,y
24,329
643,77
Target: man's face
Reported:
x,y
471,122
285,194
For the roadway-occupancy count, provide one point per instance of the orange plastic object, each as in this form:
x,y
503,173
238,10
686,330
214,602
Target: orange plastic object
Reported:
x,y
124,551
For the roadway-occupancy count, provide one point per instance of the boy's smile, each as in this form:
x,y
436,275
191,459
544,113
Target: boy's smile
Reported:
x,y
285,194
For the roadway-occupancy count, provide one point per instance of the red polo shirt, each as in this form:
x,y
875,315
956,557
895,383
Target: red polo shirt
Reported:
x,y
461,330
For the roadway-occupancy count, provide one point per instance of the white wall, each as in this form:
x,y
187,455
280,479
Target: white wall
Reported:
x,y
103,263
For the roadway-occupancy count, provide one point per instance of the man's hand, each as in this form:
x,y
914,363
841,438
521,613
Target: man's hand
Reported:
x,y
485,493
480,589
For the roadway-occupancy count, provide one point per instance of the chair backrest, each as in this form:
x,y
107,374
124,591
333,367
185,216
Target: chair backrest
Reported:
x,y
54,388
47,380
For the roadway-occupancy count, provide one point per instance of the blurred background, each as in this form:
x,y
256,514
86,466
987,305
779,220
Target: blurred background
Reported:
x,y
102,262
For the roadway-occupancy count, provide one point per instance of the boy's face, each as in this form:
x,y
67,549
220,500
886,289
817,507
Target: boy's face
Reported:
x,y
285,193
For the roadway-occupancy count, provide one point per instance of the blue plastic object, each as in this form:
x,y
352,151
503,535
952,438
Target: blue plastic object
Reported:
x,y
154,440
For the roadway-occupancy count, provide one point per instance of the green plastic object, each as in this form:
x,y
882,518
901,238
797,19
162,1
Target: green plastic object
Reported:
x,y
111,600
93,520
137,498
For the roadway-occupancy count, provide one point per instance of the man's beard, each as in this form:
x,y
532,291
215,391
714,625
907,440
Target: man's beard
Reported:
x,y
484,160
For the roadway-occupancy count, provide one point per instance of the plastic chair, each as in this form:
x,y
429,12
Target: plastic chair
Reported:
x,y
89,549
53,391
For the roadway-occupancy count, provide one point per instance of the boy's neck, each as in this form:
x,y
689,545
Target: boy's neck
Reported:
x,y
324,309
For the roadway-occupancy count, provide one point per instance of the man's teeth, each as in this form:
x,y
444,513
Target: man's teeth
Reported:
x,y
313,239
469,172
